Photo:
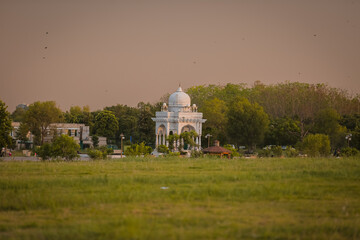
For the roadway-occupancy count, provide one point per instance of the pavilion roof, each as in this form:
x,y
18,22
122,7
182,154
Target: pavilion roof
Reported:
x,y
216,149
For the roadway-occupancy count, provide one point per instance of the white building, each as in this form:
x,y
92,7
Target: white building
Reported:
x,y
178,117
78,131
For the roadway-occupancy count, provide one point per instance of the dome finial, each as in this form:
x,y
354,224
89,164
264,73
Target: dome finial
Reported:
x,y
179,89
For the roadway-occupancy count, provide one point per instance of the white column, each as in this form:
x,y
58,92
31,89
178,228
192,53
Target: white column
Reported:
x,y
157,140
199,141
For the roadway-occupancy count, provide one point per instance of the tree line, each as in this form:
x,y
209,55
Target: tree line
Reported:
x,y
134,122
282,114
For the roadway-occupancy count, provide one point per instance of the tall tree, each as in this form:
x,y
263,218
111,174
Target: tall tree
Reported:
x,y
40,115
19,114
247,122
79,115
327,121
5,126
214,111
106,124
127,119
283,131
146,126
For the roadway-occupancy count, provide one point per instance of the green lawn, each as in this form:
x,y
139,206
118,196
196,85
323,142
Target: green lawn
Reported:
x,y
311,198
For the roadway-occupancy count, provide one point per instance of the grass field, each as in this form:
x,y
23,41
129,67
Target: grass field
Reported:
x,y
173,198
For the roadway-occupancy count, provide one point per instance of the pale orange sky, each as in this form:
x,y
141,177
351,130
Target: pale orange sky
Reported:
x,y
107,52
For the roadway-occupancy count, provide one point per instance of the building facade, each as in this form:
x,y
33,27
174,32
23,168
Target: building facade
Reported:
x,y
78,131
176,117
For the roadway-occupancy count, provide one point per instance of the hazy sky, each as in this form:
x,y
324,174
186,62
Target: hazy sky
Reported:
x,y
108,52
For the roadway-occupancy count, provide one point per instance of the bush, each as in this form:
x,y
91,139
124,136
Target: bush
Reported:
x,y
65,146
99,153
234,152
196,154
266,152
45,151
138,150
315,145
277,151
349,152
291,152
94,153
270,151
163,149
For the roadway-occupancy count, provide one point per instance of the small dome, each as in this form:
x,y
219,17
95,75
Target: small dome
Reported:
x,y
179,99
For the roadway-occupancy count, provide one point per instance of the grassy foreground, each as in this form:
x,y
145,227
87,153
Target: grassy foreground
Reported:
x,y
172,198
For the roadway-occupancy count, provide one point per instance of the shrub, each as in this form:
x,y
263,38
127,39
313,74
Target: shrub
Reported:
x,y
99,153
349,152
315,145
270,151
277,151
291,152
138,150
163,149
196,154
234,152
65,146
94,153
266,152
45,151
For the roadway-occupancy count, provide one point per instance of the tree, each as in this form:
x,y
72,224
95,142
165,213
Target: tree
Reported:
x,y
95,141
283,131
214,112
188,138
172,139
146,127
19,114
106,124
39,116
138,150
316,145
327,121
247,123
65,146
22,132
78,115
127,119
352,123
5,126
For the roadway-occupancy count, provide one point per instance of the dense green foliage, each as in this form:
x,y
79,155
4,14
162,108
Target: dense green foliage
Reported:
x,y
99,153
315,145
174,198
294,110
106,124
247,123
138,150
5,126
39,116
63,146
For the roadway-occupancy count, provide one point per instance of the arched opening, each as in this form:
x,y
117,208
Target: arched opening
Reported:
x,y
187,128
161,135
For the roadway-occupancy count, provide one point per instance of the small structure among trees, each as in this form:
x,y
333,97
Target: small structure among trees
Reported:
x,y
217,150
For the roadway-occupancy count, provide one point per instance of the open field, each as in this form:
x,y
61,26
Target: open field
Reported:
x,y
173,198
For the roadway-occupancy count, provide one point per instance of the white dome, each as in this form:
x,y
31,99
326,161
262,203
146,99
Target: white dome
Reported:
x,y
179,99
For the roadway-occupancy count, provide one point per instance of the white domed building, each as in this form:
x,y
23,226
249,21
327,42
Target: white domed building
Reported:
x,y
177,117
